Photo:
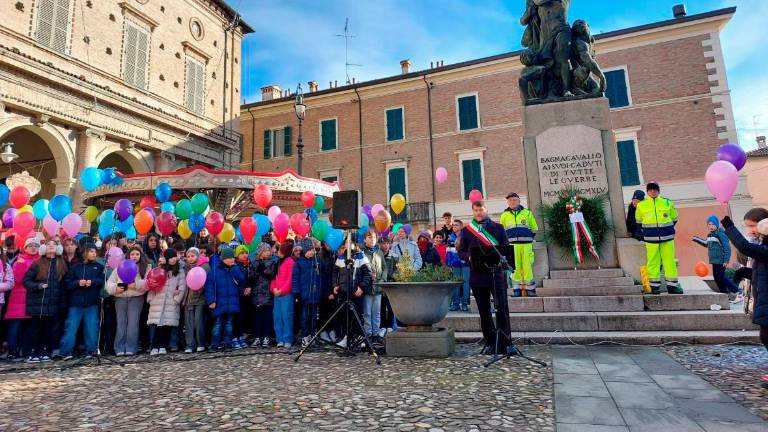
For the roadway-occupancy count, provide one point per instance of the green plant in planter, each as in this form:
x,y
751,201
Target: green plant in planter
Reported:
x,y
428,273
558,224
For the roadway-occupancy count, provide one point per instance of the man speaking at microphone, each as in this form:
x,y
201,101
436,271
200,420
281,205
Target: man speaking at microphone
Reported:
x,y
483,232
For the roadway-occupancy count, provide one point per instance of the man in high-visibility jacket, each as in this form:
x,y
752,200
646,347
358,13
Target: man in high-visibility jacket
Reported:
x,y
521,228
658,217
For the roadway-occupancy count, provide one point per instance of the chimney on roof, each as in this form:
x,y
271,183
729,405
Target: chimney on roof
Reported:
x,y
761,142
270,92
313,87
679,11
405,66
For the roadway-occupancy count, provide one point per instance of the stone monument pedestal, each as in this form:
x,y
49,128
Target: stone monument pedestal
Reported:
x,y
404,343
571,144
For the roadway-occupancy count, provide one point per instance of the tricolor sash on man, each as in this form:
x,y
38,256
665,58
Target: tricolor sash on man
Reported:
x,y
476,228
579,228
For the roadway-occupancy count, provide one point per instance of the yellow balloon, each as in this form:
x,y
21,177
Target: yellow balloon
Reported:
x,y
183,229
91,213
25,209
227,233
397,202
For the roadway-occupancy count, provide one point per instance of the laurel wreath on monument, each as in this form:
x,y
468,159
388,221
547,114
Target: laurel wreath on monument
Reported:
x,y
559,229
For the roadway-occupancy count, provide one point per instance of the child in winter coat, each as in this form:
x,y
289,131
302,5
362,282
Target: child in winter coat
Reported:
x,y
372,294
84,284
282,287
242,323
429,255
263,271
460,268
719,251
164,305
44,285
440,246
16,313
129,300
6,280
194,307
756,221
306,285
223,287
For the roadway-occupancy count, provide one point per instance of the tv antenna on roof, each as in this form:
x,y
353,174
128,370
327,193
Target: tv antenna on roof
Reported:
x,y
347,37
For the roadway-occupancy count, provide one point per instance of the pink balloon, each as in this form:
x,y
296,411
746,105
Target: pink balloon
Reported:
x,y
376,209
475,195
115,256
722,179
280,224
273,212
51,225
24,222
300,224
441,175
72,224
196,279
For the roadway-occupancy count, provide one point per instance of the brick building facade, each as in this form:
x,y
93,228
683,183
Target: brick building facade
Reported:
x,y
136,84
670,107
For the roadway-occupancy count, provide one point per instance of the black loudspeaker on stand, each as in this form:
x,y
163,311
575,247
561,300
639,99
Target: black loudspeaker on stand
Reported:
x,y
346,209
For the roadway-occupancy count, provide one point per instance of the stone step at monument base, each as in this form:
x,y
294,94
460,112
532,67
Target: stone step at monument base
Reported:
x,y
590,291
610,321
616,303
583,282
629,338
587,274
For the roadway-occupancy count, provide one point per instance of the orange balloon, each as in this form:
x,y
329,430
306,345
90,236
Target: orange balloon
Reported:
x,y
702,269
143,221
382,220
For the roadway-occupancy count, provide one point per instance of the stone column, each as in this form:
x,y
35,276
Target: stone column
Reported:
x,y
88,143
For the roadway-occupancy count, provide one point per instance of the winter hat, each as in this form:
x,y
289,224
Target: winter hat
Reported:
x,y
227,253
512,195
31,241
194,250
714,221
427,234
407,228
305,244
261,248
170,253
762,227
241,249
233,244
638,195
653,186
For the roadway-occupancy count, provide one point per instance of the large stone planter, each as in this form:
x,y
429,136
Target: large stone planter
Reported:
x,y
420,305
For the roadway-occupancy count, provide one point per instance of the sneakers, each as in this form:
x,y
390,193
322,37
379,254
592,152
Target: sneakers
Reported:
x,y
45,358
200,349
120,354
256,343
67,357
188,351
305,341
128,353
342,343
453,308
280,345
324,336
265,343
517,292
738,298
465,308
674,289
530,292
33,359
162,351
154,352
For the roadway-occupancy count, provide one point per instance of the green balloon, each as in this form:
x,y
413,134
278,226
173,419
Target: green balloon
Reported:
x,y
319,203
199,203
396,227
183,209
320,229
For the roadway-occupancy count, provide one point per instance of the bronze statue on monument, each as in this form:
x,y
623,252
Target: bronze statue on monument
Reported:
x,y
559,59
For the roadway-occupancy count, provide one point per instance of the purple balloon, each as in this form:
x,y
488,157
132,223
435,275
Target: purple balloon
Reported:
x,y
8,216
123,209
367,210
734,154
127,270
152,211
386,233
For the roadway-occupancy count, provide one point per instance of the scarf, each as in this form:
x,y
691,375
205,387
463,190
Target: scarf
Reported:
x,y
423,245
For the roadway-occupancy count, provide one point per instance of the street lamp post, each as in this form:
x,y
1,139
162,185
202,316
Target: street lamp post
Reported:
x,y
301,111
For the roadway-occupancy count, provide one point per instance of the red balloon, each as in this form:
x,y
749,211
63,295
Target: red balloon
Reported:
x,y
24,223
702,269
214,223
147,201
262,195
156,279
300,224
475,195
248,229
19,197
166,223
308,199
280,225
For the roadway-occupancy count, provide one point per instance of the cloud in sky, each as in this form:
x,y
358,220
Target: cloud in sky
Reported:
x,y
295,41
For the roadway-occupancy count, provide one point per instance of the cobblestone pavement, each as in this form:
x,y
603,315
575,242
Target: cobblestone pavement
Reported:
x,y
249,391
735,370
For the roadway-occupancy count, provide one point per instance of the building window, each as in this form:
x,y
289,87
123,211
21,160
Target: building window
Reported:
x,y
277,142
53,24
330,179
472,175
135,56
630,169
617,92
195,86
467,112
397,182
395,124
328,134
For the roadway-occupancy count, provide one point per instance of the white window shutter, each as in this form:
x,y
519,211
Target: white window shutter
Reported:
x,y
191,81
129,56
199,88
60,26
142,53
45,14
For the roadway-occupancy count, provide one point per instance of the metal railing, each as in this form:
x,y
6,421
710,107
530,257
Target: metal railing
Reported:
x,y
413,213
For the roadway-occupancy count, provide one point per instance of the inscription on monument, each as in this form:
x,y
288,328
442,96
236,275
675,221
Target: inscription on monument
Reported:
x,y
571,157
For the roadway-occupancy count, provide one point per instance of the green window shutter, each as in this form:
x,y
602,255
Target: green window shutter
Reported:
x,y
395,124
630,176
467,113
287,149
616,91
267,144
473,178
397,181
328,134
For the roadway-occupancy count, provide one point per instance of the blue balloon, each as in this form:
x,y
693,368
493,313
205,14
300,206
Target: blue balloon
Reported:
x,y
167,207
109,176
163,192
90,178
238,235
334,239
105,231
196,223
4,194
312,213
130,234
59,206
263,225
125,226
40,209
